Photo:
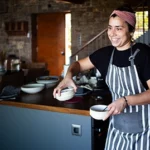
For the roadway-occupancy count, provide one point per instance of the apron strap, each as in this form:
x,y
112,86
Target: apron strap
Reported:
x,y
132,57
111,59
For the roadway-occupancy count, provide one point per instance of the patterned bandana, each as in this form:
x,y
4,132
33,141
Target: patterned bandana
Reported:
x,y
126,16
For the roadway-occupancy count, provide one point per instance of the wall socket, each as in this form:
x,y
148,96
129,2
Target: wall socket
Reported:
x,y
76,129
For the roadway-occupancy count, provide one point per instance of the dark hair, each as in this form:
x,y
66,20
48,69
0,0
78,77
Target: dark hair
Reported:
x,y
127,8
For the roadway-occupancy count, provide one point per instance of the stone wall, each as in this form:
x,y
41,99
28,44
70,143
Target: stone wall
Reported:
x,y
88,19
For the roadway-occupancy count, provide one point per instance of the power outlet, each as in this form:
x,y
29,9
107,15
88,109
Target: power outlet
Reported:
x,y
76,129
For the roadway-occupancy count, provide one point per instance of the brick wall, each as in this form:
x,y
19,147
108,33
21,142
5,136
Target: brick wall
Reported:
x,y
88,19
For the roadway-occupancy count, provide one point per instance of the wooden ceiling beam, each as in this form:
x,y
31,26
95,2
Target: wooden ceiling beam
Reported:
x,y
72,1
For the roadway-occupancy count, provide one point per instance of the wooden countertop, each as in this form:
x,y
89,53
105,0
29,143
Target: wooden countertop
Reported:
x,y
44,101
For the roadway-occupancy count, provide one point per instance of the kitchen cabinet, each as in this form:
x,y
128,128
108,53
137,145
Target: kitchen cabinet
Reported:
x,y
31,129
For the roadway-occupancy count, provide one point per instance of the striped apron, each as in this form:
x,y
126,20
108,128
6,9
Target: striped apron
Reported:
x,y
129,130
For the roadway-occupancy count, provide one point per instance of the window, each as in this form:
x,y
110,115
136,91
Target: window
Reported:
x,y
68,38
141,23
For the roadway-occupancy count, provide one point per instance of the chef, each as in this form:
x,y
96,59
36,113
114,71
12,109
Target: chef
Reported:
x,y
125,67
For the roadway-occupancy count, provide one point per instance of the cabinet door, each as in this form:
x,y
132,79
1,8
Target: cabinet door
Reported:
x,y
29,129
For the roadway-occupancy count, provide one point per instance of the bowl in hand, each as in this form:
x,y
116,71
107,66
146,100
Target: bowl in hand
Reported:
x,y
66,94
49,81
32,88
98,112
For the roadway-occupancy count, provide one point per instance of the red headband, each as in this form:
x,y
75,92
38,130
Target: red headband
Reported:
x,y
126,16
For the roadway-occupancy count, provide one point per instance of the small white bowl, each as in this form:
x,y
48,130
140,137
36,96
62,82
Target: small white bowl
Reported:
x,y
66,94
32,88
97,112
49,81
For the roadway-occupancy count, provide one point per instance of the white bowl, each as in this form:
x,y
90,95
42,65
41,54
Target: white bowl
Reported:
x,y
66,94
32,88
49,81
97,112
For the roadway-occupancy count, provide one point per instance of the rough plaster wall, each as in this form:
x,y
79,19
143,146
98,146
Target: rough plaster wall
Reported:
x,y
88,19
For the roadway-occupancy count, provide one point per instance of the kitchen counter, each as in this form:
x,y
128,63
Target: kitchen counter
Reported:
x,y
38,121
44,101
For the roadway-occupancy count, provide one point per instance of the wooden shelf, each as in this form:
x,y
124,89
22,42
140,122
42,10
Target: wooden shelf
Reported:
x,y
16,28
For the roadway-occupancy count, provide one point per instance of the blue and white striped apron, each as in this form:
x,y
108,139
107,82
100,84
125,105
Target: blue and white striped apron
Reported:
x,y
129,130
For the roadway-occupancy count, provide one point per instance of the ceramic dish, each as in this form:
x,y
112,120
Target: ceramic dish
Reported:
x,y
66,94
49,81
82,91
98,112
32,88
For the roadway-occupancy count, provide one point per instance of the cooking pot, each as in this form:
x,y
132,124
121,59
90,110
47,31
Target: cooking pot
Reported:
x,y
12,63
